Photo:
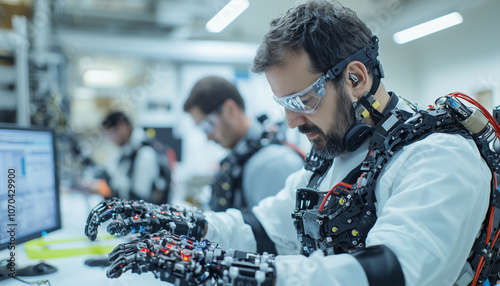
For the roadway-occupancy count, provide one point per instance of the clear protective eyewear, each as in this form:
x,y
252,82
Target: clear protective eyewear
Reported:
x,y
210,122
307,100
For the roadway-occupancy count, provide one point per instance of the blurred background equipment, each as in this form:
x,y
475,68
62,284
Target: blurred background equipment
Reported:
x,y
65,64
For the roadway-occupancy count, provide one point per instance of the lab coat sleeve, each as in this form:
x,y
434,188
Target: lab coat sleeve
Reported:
x,y
274,213
432,201
266,171
337,270
146,170
432,198
229,230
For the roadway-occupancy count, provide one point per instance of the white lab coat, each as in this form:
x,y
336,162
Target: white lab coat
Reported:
x,y
431,200
146,169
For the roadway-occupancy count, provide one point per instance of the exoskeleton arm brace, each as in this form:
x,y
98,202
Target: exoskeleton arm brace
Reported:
x,y
142,217
184,261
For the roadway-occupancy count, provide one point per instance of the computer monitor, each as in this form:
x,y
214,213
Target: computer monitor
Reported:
x,y
29,196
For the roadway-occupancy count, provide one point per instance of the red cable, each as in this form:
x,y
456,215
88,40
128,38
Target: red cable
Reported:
x,y
483,110
495,183
495,125
488,233
490,225
330,193
495,180
495,186
480,266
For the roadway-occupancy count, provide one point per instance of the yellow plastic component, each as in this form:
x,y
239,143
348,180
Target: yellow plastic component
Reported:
x,y
376,104
365,113
341,201
222,201
151,133
42,248
355,232
335,229
225,186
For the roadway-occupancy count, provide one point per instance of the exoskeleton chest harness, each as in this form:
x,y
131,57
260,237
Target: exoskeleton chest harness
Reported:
x,y
227,187
339,220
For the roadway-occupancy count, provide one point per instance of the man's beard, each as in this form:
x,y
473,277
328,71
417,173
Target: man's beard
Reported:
x,y
332,144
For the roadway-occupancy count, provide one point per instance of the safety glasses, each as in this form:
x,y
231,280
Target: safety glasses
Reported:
x,y
306,101
210,122
309,100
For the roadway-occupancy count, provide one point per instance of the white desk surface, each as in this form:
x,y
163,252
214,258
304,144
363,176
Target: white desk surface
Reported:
x,y
72,270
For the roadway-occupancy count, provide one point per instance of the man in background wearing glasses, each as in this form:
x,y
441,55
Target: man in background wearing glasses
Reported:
x,y
255,168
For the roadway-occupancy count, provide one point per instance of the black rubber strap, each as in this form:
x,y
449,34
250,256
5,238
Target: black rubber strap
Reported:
x,y
264,243
353,175
381,266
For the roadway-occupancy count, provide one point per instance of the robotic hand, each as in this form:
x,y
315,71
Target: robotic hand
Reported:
x,y
142,217
182,261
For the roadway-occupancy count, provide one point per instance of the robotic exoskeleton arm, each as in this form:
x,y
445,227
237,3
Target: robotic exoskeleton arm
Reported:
x,y
142,217
183,261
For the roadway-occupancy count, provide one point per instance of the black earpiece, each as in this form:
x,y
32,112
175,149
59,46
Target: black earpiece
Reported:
x,y
359,131
353,78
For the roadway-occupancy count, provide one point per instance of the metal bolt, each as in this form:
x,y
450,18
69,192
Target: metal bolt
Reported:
x,y
349,220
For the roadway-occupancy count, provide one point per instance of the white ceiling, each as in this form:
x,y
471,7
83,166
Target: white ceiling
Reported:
x,y
185,19
165,28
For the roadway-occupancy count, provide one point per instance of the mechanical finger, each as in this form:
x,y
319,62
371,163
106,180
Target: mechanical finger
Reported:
x,y
122,250
117,268
101,213
132,225
116,208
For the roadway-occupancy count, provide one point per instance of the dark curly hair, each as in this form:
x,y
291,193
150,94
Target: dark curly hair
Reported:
x,y
327,31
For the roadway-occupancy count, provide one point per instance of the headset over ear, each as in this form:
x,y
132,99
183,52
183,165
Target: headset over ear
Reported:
x,y
359,131
367,105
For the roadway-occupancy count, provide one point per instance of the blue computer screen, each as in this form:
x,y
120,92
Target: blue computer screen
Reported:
x,y
29,193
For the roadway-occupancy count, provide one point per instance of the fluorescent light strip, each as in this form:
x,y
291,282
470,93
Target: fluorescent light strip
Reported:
x,y
226,15
427,28
102,78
